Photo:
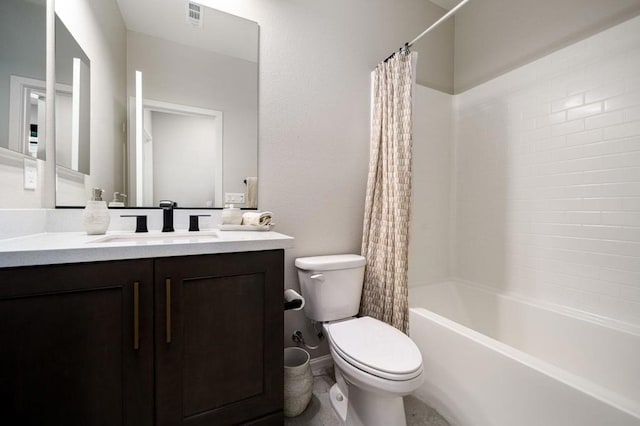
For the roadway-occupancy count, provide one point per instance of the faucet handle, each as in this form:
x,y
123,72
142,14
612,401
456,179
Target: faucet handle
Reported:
x,y
141,222
194,221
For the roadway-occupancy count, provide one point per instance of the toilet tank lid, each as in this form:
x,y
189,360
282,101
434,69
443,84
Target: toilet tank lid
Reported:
x,y
329,263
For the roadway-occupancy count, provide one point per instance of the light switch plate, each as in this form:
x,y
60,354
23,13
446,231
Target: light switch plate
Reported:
x,y
234,197
30,174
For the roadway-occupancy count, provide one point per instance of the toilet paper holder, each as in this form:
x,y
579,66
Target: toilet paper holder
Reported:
x,y
293,301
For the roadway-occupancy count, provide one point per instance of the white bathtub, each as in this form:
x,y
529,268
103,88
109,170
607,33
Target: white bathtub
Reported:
x,y
497,360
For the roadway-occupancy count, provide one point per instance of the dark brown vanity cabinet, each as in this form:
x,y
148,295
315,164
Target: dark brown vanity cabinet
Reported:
x,y
190,340
76,344
219,339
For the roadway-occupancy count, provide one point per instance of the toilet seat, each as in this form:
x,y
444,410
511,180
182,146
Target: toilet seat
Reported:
x,y
376,348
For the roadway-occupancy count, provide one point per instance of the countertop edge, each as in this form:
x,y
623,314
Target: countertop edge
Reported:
x,y
107,252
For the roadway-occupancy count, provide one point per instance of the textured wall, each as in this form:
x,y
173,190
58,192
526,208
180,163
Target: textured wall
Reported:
x,y
548,177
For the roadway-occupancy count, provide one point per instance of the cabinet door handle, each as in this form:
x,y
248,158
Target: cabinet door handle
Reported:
x,y
167,288
136,315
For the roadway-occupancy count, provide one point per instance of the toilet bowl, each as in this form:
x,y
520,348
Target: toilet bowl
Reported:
x,y
375,364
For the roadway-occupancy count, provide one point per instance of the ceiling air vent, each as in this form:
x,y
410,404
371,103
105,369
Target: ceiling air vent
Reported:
x,y
194,14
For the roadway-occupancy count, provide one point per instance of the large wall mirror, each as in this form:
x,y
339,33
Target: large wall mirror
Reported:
x,y
173,103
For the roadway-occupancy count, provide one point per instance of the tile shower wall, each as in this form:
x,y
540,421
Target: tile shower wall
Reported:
x,y
547,180
429,254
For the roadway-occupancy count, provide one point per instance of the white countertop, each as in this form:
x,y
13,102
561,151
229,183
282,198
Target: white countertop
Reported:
x,y
73,247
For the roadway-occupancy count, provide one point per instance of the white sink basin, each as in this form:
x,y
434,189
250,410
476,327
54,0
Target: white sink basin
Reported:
x,y
160,237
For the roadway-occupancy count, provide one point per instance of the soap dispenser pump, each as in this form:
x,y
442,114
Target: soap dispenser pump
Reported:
x,y
96,216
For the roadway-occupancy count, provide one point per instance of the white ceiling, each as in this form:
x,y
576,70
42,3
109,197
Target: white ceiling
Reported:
x,y
446,4
221,32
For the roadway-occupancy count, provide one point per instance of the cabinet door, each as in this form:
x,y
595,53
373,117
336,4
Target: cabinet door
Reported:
x,y
67,355
219,338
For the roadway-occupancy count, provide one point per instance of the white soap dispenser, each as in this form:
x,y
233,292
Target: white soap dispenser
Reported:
x,y
231,215
96,216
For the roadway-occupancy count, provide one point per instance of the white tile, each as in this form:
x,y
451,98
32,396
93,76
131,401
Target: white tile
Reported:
x,y
604,120
567,128
625,100
630,159
606,232
613,146
630,203
608,90
621,219
621,277
630,292
584,111
548,119
602,203
621,248
568,102
633,81
582,84
628,174
584,218
632,114
622,130
585,137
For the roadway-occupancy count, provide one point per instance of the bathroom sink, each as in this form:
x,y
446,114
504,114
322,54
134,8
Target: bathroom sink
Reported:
x,y
159,237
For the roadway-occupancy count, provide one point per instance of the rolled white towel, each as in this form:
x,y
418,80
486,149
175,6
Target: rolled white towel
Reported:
x,y
257,218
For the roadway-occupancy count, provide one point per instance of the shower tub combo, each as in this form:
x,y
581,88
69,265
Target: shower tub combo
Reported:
x,y
498,360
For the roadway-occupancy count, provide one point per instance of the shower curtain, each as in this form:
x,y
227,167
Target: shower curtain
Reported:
x,y
385,234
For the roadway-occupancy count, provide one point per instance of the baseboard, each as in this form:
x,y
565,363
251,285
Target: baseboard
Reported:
x,y
321,363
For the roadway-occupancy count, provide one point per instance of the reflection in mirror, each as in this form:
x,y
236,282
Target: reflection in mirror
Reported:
x,y
178,140
203,75
22,76
72,102
191,125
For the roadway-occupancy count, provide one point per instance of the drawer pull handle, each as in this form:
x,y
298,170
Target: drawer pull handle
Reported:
x,y
167,287
136,315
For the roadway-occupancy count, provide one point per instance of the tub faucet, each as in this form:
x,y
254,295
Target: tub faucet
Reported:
x,y
167,215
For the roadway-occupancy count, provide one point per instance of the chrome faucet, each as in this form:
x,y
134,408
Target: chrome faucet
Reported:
x,y
167,215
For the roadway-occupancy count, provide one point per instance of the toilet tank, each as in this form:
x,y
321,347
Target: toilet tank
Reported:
x,y
331,285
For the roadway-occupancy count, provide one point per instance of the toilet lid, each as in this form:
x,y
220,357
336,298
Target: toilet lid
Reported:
x,y
376,347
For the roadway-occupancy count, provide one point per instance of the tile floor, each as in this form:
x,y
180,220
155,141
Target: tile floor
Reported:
x,y
320,413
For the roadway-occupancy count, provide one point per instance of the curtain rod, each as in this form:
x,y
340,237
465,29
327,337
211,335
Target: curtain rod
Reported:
x,y
444,17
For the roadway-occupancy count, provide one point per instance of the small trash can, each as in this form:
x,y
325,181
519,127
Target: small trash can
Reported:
x,y
298,381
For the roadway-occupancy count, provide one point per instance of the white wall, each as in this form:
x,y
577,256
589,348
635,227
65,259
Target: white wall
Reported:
x,y
548,177
429,233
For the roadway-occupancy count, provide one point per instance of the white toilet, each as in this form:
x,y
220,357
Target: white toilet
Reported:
x,y
375,364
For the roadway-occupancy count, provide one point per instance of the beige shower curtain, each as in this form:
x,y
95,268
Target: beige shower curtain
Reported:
x,y
386,221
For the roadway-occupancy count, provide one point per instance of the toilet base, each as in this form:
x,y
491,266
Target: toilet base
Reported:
x,y
338,402
366,409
